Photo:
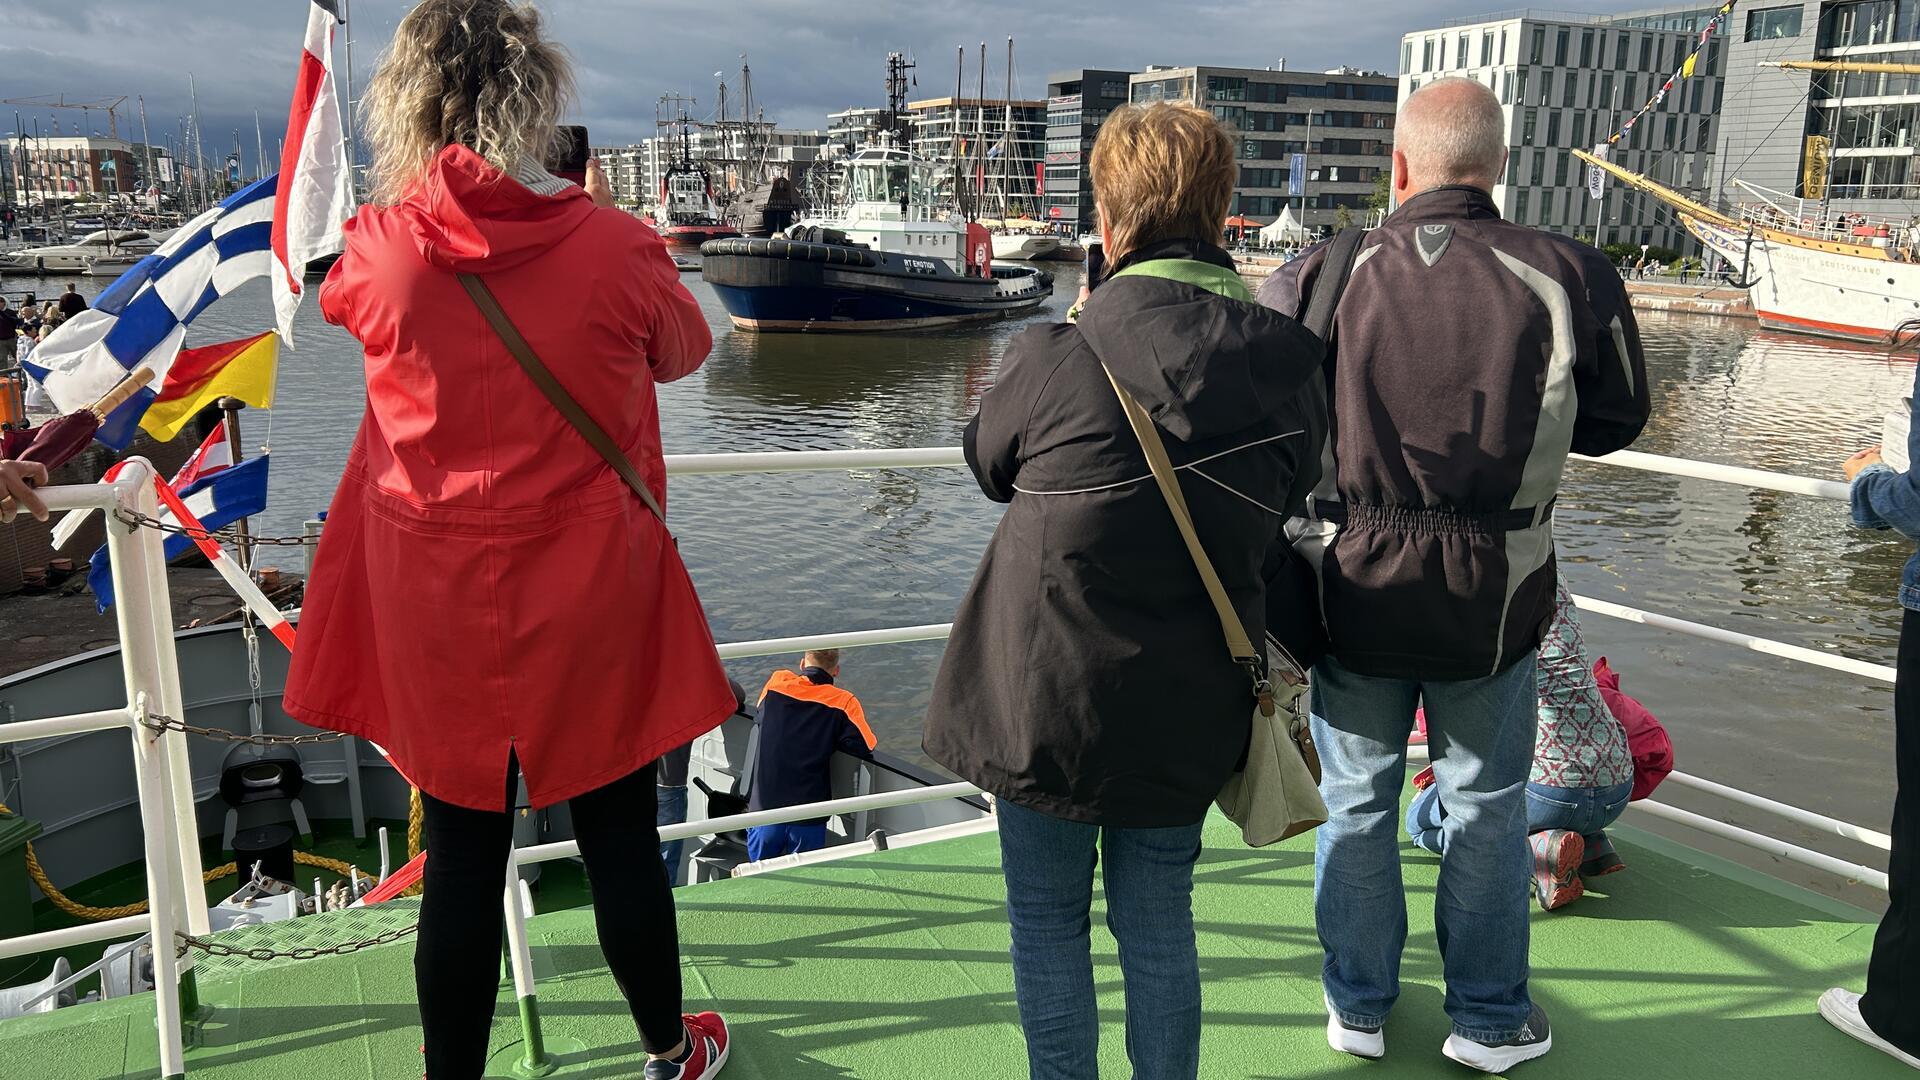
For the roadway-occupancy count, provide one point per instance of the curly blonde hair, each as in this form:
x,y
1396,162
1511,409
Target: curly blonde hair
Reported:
x,y
477,73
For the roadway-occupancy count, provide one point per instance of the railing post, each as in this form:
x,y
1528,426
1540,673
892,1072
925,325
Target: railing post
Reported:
x,y
532,1056
137,559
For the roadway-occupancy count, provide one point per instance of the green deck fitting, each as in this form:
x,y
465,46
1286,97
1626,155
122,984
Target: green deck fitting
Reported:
x,y
895,964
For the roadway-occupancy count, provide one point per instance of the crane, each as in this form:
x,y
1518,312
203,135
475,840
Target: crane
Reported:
x,y
109,105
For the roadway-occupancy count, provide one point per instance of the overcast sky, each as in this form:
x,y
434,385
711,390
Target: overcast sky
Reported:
x,y
808,58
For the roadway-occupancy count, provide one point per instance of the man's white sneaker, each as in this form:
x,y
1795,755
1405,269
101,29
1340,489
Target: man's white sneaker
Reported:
x,y
1533,1041
1842,1010
1360,1042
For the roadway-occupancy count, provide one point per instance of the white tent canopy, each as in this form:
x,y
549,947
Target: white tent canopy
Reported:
x,y
1285,229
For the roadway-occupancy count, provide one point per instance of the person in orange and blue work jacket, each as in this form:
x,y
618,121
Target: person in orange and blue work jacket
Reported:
x,y
803,719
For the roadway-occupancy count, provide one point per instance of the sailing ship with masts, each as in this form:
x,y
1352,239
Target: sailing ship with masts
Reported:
x,y
1807,269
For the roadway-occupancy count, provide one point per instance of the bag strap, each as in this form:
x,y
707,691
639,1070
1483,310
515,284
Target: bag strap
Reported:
x,y
1334,273
570,409
1238,644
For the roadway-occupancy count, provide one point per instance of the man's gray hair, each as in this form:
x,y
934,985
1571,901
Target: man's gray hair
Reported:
x,y
1453,131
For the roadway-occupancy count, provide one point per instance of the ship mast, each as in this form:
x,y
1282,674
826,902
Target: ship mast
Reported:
x,y
1006,143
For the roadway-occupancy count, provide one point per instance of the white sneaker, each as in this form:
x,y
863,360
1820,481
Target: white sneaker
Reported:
x,y
1533,1041
1360,1042
1842,1010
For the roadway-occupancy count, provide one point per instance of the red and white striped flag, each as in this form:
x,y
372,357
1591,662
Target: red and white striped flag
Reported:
x,y
315,194
215,454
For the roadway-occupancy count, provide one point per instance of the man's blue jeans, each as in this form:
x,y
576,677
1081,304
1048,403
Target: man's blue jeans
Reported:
x,y
1585,810
1481,735
773,841
670,809
1049,863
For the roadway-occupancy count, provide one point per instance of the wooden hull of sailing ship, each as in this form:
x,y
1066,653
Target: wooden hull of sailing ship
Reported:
x,y
1807,290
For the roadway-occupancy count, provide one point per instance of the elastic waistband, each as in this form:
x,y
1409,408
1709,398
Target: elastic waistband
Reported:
x,y
1413,519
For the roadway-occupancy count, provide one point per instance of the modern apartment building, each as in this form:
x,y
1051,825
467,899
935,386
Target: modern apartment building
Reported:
x,y
1077,102
64,168
1005,159
634,171
1871,120
1332,130
1568,81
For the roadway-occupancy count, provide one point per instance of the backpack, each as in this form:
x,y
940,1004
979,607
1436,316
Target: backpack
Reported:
x,y
1646,739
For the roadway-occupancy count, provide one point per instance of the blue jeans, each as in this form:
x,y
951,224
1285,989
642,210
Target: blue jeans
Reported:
x,y
1481,734
772,841
1587,811
671,809
1048,863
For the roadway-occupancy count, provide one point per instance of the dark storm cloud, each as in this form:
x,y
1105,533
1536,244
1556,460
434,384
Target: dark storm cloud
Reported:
x,y
808,58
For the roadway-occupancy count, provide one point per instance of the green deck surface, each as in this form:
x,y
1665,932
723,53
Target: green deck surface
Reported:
x,y
895,965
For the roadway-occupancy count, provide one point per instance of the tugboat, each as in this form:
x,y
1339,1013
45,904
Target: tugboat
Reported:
x,y
687,214
890,263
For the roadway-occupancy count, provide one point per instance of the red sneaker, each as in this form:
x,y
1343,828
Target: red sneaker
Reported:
x,y
707,1045
1556,867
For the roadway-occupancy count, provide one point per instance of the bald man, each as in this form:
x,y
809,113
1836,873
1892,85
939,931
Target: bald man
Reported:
x,y
1468,355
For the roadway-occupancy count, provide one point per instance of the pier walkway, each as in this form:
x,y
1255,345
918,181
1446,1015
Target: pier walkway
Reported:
x,y
895,965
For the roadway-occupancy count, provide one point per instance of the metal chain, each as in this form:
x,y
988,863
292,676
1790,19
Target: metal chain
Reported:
x,y
158,723
345,948
226,537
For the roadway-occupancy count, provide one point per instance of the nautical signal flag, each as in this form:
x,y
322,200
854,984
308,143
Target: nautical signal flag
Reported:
x,y
215,454
315,196
142,318
218,501
197,378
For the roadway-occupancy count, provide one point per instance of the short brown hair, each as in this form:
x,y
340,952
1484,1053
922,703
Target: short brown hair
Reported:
x,y
1162,172
824,659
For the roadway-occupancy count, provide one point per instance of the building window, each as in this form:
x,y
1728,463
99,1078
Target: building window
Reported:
x,y
1426,55
1406,57
1520,88
1539,168
1486,48
1646,52
1621,59
1608,100
1529,120
1460,52
1539,48
1553,128
1579,129
1560,46
1586,48
1546,86
1506,88
1503,44
1560,169
1783,22
1520,207
1572,87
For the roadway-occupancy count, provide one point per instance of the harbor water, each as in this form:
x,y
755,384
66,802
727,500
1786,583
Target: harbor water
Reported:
x,y
799,554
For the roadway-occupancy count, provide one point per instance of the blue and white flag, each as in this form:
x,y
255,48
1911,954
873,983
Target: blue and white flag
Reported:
x,y
217,500
142,318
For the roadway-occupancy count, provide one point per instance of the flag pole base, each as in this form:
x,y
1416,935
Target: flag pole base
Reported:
x,y
559,1056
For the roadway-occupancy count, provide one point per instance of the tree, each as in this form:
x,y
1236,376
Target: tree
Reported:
x,y
1382,197
1343,218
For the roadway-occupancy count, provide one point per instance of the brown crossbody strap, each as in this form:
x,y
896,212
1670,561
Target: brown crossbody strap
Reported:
x,y
570,409
1156,450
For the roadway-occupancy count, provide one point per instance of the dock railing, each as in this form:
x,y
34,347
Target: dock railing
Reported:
x,y
151,670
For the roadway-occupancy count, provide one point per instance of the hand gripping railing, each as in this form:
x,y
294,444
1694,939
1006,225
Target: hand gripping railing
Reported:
x,y
144,614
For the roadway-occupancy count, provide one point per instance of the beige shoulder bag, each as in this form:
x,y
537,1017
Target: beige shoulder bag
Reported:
x,y
1277,794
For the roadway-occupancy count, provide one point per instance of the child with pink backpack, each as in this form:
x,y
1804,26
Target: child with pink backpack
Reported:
x,y
1595,750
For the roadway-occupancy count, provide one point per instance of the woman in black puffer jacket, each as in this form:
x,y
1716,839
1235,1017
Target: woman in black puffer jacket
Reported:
x,y
1087,684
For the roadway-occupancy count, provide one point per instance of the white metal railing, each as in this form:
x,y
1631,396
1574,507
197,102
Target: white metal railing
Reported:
x,y
151,672
144,615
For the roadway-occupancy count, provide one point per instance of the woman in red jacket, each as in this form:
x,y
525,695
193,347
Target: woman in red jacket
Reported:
x,y
490,601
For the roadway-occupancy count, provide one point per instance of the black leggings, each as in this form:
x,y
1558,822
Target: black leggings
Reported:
x,y
1891,1006
456,963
